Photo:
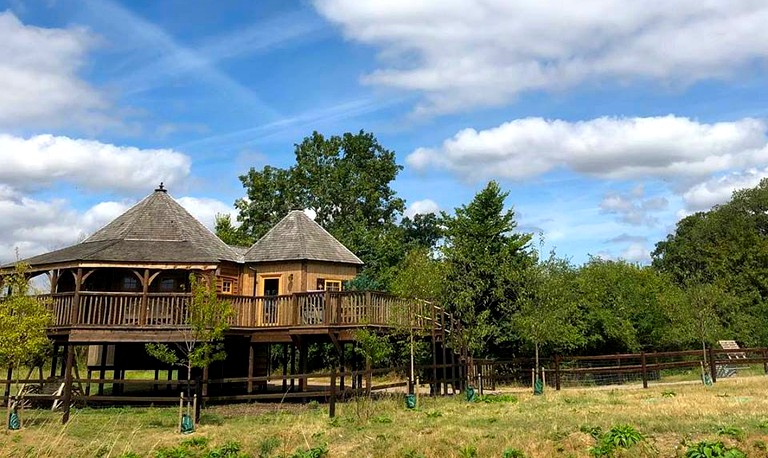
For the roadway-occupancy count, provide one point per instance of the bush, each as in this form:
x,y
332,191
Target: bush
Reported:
x,y
620,436
713,449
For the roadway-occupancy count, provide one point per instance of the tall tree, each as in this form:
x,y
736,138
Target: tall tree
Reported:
x,y
726,246
480,246
548,314
346,180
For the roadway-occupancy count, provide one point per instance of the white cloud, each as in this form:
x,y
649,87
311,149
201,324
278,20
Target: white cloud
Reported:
x,y
422,207
39,84
462,54
44,159
667,147
632,207
718,190
636,252
36,226
205,210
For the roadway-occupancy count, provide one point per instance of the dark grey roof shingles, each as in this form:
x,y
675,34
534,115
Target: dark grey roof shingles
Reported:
x,y
296,238
157,229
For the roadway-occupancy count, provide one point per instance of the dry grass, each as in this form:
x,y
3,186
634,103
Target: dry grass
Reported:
x,y
554,425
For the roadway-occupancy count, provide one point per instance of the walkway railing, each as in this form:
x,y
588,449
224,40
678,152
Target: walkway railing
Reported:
x,y
322,308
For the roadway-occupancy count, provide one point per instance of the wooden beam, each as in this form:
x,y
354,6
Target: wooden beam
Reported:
x,y
67,401
73,319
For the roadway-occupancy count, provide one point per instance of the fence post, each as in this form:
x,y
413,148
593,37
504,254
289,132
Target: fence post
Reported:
x,y
645,371
712,365
765,360
332,404
557,372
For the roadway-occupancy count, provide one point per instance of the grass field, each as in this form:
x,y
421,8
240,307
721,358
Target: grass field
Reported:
x,y
558,424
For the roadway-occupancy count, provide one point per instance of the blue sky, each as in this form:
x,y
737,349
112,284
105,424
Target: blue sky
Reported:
x,y
606,120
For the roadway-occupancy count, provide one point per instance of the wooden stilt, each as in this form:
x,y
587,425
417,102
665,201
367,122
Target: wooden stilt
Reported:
x,y
67,401
251,357
285,367
293,367
303,353
103,368
54,360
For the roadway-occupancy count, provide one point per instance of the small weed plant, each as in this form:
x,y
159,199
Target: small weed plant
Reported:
x,y
468,451
713,449
512,453
618,437
318,451
732,432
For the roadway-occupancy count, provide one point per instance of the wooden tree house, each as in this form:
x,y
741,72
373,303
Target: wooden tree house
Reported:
x,y
127,285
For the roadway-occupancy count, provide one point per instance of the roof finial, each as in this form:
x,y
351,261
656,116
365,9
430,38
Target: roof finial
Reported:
x,y
161,188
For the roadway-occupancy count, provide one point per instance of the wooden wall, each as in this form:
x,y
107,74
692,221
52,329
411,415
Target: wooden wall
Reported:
x,y
295,276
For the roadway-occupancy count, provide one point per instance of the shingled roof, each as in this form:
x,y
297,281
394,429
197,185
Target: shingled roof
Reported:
x,y
157,229
298,238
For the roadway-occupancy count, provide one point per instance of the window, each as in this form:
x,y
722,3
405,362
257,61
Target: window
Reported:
x,y
167,284
226,287
333,285
130,283
328,285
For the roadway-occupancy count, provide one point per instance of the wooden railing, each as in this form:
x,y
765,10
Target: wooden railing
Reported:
x,y
322,308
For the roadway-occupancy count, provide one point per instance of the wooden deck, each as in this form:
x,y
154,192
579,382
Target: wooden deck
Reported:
x,y
130,314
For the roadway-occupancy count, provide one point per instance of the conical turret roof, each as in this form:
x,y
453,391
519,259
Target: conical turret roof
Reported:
x,y
157,229
298,238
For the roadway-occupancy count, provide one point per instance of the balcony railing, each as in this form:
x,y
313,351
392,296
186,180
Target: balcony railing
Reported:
x,y
324,308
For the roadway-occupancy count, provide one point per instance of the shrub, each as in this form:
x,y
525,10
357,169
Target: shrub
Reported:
x,y
713,449
620,436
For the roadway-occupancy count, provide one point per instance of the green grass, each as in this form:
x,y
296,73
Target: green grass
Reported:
x,y
569,423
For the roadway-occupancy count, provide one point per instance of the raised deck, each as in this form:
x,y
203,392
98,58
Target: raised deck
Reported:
x,y
96,316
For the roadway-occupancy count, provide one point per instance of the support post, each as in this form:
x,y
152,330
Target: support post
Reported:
x,y
303,350
712,365
293,367
332,402
67,401
54,359
645,369
285,367
73,318
144,298
251,356
204,383
103,368
557,372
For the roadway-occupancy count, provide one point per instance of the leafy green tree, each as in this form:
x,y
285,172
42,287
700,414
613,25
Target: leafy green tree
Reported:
x,y
480,246
346,180
206,321
548,314
230,234
23,321
726,246
697,314
419,275
422,231
269,196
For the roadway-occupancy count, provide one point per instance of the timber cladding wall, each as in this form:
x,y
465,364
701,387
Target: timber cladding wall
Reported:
x,y
328,271
294,276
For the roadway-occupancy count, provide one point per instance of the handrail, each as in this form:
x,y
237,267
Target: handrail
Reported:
x,y
132,309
